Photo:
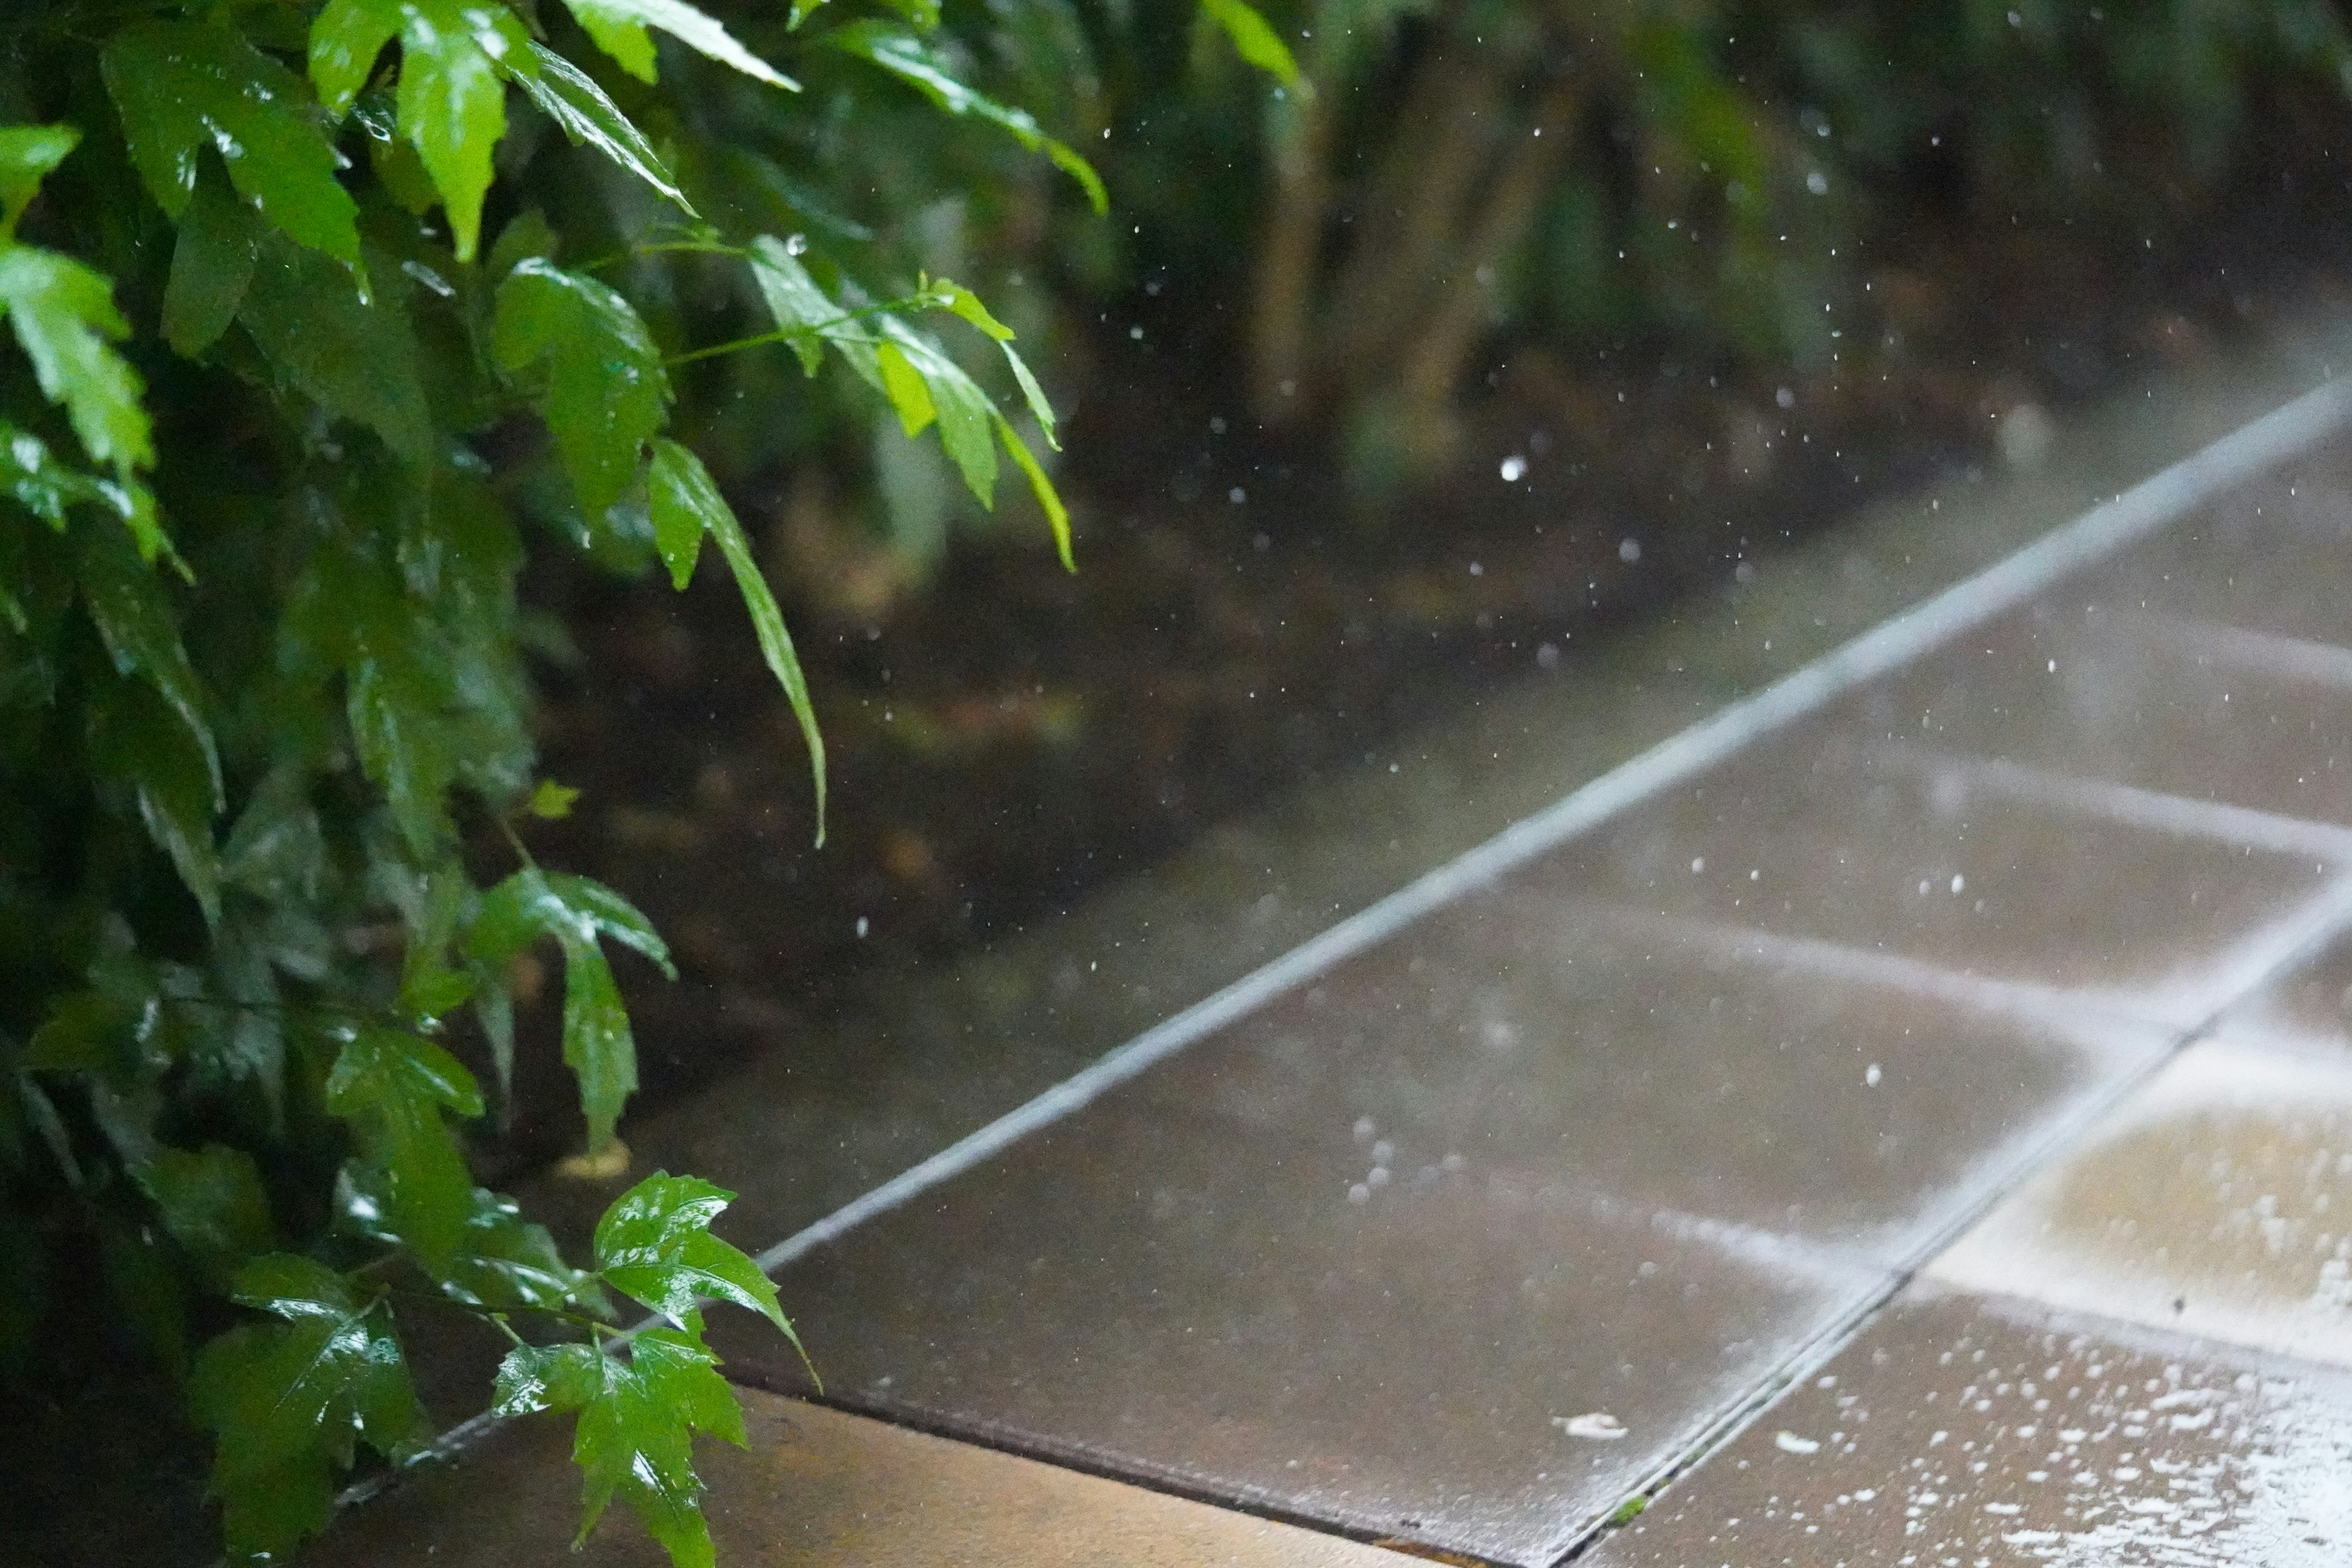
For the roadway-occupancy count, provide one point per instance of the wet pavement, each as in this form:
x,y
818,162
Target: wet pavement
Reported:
x,y
1905,1117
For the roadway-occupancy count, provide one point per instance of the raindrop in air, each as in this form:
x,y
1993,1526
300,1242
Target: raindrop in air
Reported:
x,y
1515,469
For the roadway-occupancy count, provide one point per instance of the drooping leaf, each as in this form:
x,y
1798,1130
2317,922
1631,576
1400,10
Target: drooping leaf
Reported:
x,y
684,499
64,314
1057,516
32,477
1254,40
452,100
393,1087
402,744
181,87
345,39
905,56
504,1260
966,414
634,1435
799,305
967,305
654,1245
619,29
567,95
606,390
27,153
134,619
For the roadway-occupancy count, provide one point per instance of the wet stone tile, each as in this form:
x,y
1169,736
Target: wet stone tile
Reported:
x,y
1459,1243
2082,689
1988,1433
2218,1201
1828,833
819,1489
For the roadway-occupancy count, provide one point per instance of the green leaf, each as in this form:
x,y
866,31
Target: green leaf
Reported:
x,y
356,357
964,303
147,1290
135,620
287,1402
403,747
32,477
28,154
345,39
1057,516
211,1202
909,394
505,1261
181,86
1039,409
681,488
565,94
905,56
634,1435
1253,40
136,737
211,265
63,314
597,1044
550,801
605,388
619,29
799,305
393,1087
452,98
654,1245
966,414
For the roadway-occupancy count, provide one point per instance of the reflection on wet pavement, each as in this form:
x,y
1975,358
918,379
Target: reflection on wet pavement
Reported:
x,y
1986,1431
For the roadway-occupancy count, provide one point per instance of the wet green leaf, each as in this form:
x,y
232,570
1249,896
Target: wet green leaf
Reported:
x,y
966,414
35,480
210,266
27,153
356,357
394,1088
606,392
1253,40
619,29
654,1245
64,316
910,60
565,94
795,302
682,490
634,1437
184,87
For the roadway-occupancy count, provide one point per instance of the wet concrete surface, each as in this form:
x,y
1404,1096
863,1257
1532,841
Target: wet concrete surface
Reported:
x,y
1985,1431
1477,1232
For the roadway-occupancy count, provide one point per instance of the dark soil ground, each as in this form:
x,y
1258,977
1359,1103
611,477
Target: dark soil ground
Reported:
x,y
1008,736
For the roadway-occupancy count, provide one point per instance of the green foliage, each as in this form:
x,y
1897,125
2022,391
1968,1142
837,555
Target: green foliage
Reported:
x,y
326,315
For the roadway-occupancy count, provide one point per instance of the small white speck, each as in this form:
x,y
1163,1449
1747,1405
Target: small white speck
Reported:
x,y
1699,864
1872,1075
1789,1443
1513,470
1360,1195
1629,551
1960,883
864,925
1237,495
1597,1424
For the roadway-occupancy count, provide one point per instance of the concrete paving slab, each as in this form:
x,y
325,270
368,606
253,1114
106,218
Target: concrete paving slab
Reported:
x,y
1984,1432
1370,1255
2217,1201
821,1488
1824,833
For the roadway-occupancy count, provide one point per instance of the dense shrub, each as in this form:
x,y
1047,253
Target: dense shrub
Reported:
x,y
329,315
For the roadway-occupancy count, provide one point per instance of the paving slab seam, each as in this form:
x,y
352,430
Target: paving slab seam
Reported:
x,y
2067,1134
2241,648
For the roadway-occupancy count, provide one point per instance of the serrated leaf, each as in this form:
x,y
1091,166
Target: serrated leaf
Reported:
x,y
905,56
287,1401
606,391
33,477
795,302
181,86
1057,516
403,747
356,357
504,1260
654,1245
597,1044
394,1088
634,1437
212,264
618,26
682,483
211,1202
966,414
455,58
63,314
137,739
1254,40
532,903
565,94
345,39
550,801
135,620
28,154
